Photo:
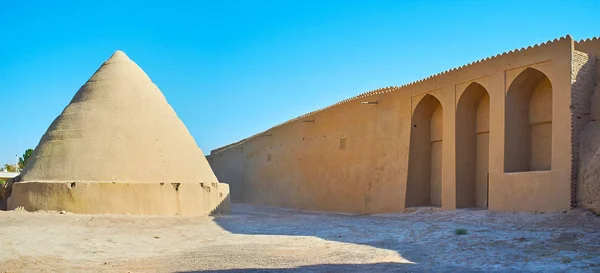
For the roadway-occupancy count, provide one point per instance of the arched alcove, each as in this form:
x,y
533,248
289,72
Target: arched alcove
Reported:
x,y
472,147
528,121
424,186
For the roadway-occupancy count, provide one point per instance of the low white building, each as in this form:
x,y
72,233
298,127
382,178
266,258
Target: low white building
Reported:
x,y
8,175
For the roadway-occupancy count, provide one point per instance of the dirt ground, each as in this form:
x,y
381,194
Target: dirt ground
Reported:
x,y
262,239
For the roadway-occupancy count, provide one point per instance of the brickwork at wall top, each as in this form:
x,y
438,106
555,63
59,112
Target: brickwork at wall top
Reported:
x,y
397,88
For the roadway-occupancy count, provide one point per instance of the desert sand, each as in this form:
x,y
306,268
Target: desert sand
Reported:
x,y
264,239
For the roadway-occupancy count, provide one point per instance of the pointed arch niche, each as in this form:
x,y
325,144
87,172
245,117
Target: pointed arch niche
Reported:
x,y
528,121
424,185
472,147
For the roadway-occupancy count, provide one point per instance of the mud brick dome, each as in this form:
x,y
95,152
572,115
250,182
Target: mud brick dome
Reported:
x,y
119,147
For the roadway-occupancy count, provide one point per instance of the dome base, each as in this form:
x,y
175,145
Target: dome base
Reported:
x,y
122,198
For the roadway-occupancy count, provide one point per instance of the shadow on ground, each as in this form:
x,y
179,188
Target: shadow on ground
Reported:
x,y
427,241
377,232
378,267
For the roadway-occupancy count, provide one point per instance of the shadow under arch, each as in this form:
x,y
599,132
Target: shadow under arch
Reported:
x,y
472,147
528,123
424,183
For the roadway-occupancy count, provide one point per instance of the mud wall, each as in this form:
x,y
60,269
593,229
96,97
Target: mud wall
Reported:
x,y
355,156
230,165
586,125
347,158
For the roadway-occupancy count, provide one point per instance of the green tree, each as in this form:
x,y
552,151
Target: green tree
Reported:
x,y
23,160
10,168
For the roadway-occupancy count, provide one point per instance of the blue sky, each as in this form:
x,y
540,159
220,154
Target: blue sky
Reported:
x,y
233,68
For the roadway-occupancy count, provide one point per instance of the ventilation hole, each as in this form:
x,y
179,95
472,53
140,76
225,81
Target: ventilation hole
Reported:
x,y
162,184
175,186
342,143
72,184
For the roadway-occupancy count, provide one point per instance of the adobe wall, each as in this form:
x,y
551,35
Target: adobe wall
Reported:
x,y
230,164
590,46
583,82
354,156
587,182
303,165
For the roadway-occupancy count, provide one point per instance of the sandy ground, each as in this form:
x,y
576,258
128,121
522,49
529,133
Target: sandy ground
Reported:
x,y
261,239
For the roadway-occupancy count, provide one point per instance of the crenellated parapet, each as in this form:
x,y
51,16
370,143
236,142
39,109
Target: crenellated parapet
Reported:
x,y
591,43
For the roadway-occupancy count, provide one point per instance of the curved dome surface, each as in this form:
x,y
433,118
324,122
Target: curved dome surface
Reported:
x,y
119,127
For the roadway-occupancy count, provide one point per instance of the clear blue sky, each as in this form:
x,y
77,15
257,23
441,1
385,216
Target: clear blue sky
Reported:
x,y
233,68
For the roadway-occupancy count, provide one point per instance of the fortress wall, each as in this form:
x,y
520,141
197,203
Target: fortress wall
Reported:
x,y
354,157
349,159
590,46
532,189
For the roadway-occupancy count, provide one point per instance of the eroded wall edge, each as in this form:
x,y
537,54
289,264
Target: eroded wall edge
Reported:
x,y
583,72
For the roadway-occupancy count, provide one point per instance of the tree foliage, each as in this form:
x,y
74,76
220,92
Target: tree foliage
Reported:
x,y
9,168
23,160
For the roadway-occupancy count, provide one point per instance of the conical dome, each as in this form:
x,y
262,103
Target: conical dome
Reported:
x,y
119,147
118,127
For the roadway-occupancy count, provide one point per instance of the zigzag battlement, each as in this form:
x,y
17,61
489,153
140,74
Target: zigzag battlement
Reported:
x,y
389,89
589,45
587,40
